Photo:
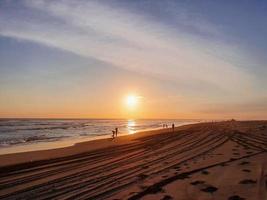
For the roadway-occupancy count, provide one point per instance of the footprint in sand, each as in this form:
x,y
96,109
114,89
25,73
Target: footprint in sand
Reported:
x,y
167,197
246,170
197,182
236,197
248,181
158,189
244,163
205,172
209,189
183,176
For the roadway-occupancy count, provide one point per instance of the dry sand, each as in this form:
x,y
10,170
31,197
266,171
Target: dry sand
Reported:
x,y
223,160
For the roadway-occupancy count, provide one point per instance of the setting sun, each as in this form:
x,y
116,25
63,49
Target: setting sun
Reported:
x,y
132,101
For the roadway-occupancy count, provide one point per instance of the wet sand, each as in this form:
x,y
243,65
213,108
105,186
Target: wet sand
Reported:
x,y
223,160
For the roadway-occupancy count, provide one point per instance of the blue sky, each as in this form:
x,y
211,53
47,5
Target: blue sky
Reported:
x,y
202,59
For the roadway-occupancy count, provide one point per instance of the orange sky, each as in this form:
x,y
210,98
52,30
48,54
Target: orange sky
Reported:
x,y
57,60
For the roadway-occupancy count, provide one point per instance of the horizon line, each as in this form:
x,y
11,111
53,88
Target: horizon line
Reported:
x,y
76,118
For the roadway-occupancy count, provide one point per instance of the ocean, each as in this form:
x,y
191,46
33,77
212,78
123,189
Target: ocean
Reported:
x,y
29,131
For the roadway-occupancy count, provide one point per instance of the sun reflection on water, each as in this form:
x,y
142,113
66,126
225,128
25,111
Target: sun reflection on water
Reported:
x,y
131,126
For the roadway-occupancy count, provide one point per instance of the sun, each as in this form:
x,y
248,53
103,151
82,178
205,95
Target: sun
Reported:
x,y
131,101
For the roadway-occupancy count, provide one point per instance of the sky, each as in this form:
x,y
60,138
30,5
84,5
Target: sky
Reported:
x,y
182,59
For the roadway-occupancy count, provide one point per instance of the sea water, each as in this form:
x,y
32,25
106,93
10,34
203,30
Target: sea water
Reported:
x,y
28,131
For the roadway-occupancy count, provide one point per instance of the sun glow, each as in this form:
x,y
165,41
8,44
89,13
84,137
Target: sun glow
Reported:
x,y
132,101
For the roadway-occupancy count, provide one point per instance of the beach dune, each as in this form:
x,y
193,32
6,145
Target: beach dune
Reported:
x,y
215,160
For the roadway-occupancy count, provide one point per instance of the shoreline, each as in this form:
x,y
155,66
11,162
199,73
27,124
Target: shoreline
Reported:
x,y
66,142
69,148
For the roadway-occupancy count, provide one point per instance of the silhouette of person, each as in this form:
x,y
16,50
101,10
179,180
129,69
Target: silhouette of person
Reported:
x,y
116,131
172,127
113,134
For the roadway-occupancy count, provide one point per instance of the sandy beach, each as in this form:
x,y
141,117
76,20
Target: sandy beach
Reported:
x,y
222,160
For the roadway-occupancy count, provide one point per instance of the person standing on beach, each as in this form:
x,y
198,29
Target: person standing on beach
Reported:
x,y
172,127
113,134
116,131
